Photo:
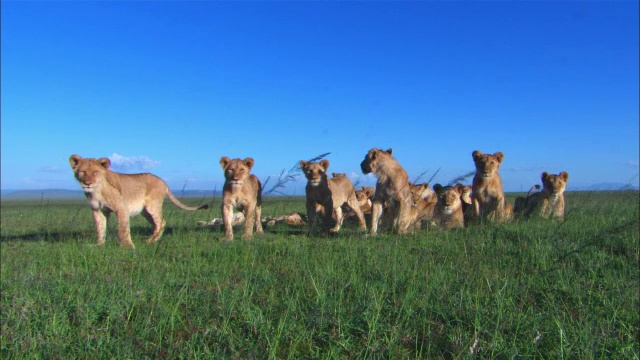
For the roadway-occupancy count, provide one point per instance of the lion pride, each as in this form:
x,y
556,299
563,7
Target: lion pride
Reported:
x,y
392,193
242,191
124,194
487,192
328,195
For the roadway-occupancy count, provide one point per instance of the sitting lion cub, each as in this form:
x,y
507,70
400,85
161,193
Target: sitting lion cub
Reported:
x,y
550,201
392,194
448,212
124,194
487,193
329,195
241,191
424,203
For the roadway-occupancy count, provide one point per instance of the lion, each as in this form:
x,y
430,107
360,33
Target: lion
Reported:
x,y
487,192
237,219
330,195
448,213
392,193
424,203
124,194
547,203
241,191
292,219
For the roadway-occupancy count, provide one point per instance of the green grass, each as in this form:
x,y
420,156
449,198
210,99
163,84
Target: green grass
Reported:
x,y
534,289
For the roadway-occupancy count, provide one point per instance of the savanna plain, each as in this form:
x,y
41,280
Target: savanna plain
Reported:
x,y
527,289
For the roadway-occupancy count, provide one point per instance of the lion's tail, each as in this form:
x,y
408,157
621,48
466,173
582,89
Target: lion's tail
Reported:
x,y
183,206
534,187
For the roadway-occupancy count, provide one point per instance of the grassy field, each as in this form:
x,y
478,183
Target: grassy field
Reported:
x,y
534,289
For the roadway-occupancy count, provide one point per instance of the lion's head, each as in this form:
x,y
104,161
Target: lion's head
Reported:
x,y
89,172
449,197
554,184
236,171
370,162
365,194
421,192
315,172
487,165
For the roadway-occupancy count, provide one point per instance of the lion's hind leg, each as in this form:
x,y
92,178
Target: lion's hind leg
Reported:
x,y
155,218
355,207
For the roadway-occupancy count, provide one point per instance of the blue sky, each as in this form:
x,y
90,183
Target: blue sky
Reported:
x,y
162,86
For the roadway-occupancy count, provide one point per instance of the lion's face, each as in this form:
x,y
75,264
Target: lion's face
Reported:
x,y
370,162
314,171
487,165
365,194
89,172
420,192
554,184
236,171
449,197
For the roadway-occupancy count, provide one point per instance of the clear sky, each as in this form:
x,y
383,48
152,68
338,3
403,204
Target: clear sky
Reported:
x,y
169,87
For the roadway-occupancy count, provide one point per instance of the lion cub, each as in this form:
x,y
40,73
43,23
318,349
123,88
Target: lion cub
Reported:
x,y
487,194
329,195
392,190
124,194
448,212
549,202
241,191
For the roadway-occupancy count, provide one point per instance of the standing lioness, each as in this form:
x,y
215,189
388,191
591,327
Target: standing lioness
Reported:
x,y
242,191
392,190
124,194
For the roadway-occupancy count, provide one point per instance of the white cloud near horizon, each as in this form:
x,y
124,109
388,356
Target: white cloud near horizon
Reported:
x,y
632,164
132,162
53,169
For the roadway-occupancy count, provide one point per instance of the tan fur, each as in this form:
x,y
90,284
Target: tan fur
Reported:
x,y
324,193
424,203
124,194
242,191
392,190
467,204
550,201
292,219
487,194
237,219
448,213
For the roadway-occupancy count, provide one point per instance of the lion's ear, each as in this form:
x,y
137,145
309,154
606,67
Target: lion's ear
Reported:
x,y
224,162
325,164
564,175
74,160
249,162
104,162
544,176
303,164
476,154
389,151
459,189
500,156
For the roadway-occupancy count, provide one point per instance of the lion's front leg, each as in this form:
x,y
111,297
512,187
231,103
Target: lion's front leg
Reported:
x,y
100,217
249,222
258,220
124,231
376,213
311,215
404,216
339,218
227,220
